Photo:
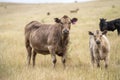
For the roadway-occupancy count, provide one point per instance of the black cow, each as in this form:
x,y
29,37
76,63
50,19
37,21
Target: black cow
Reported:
x,y
110,25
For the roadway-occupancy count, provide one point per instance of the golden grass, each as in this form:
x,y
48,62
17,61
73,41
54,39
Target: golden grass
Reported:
x,y
14,17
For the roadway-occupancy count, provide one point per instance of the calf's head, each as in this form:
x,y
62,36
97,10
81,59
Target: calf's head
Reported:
x,y
97,35
103,24
65,22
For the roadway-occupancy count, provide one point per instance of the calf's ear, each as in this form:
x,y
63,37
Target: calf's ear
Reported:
x,y
90,33
104,32
57,20
74,20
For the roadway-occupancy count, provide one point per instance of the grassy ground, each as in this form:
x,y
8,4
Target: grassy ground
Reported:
x,y
14,17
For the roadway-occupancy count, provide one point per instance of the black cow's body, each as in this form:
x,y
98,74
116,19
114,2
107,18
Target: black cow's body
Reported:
x,y
110,25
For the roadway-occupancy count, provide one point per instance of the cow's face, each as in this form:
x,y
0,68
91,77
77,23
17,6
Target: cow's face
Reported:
x,y
103,24
65,22
97,35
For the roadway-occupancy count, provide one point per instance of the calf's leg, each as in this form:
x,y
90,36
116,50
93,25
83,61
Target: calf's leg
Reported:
x,y
106,62
92,58
98,62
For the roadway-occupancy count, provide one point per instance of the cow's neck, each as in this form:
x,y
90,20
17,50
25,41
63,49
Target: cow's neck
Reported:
x,y
65,40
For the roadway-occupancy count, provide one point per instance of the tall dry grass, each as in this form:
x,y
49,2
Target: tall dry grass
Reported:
x,y
14,17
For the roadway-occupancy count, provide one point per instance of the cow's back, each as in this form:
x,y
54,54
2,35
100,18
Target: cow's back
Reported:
x,y
33,25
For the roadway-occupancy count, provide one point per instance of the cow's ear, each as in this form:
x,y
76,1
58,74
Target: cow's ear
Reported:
x,y
101,18
74,20
90,33
105,19
57,20
104,32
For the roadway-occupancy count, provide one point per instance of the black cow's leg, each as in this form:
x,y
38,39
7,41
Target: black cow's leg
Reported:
x,y
34,56
118,31
53,55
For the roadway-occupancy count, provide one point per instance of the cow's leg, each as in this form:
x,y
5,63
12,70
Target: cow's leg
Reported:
x,y
98,62
54,59
92,61
29,51
106,62
53,55
64,60
92,58
118,31
34,56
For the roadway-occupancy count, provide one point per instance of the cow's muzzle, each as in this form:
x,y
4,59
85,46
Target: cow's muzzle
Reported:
x,y
66,31
97,42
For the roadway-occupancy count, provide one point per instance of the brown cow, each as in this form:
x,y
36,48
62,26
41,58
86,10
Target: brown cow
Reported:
x,y
48,38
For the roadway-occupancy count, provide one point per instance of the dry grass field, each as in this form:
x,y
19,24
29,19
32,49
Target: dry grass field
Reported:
x,y
14,17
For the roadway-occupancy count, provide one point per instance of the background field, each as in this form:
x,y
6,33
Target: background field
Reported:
x,y
14,17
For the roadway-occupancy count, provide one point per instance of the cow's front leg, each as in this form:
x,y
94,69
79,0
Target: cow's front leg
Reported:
x,y
64,60
53,55
53,59
92,58
98,63
106,62
118,31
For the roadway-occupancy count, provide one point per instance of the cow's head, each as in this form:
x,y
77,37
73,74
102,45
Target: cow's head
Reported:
x,y
103,24
65,22
97,35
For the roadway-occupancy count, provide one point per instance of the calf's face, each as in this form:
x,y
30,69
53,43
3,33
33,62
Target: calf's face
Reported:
x,y
65,21
97,35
